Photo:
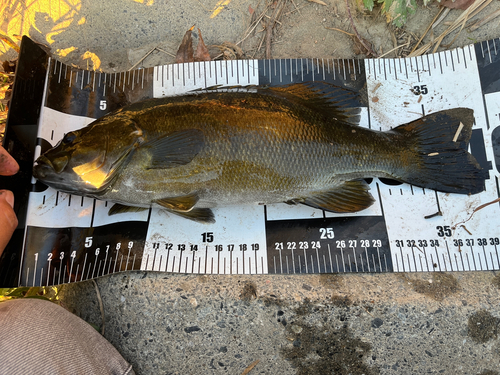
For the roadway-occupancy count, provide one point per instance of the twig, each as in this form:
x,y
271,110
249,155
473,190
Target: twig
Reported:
x,y
402,45
486,19
168,53
440,19
270,26
439,213
295,10
250,367
101,307
465,228
141,60
473,10
475,210
368,48
251,28
295,6
427,30
260,45
342,31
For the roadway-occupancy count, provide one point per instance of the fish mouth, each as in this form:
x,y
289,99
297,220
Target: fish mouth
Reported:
x,y
44,164
42,168
45,172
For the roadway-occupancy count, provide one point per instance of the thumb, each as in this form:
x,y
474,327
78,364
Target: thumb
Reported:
x,y
8,165
8,197
8,219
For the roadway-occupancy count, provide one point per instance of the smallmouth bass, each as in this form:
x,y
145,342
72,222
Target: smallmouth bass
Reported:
x,y
297,144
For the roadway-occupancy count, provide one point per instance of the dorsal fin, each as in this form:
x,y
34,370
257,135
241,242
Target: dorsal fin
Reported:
x,y
334,102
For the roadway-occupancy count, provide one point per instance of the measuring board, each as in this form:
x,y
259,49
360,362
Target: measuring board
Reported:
x,y
66,238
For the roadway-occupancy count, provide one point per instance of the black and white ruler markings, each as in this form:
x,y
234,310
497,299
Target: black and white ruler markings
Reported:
x,y
69,238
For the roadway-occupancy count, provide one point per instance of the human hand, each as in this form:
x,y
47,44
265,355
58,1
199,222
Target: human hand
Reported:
x,y
8,219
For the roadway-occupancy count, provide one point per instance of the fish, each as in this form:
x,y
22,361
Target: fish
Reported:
x,y
297,144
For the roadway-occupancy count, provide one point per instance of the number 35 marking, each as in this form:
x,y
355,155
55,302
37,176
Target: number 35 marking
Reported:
x,y
444,231
420,90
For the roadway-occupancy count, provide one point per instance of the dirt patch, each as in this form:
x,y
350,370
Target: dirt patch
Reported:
x,y
334,281
248,292
440,286
341,301
483,326
496,281
327,351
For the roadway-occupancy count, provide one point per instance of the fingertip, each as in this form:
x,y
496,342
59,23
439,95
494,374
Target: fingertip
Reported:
x,y
8,165
14,166
8,196
8,219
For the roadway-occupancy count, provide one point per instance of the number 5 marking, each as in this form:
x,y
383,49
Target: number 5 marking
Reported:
x,y
103,105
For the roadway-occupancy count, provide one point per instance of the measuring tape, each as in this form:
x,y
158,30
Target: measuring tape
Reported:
x,y
66,238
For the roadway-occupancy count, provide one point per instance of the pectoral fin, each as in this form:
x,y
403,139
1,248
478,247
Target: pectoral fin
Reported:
x,y
179,204
351,196
175,149
121,208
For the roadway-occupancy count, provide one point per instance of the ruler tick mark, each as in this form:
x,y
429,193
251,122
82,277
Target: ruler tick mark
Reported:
x,y
489,52
330,256
485,258
449,256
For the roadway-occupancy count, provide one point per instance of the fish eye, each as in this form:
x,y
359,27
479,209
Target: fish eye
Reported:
x,y
68,138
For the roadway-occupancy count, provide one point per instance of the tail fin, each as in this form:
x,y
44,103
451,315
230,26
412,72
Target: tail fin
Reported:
x,y
442,162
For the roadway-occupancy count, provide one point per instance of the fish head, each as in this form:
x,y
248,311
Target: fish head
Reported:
x,y
86,161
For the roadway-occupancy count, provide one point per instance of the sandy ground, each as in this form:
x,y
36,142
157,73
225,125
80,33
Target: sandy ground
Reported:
x,y
345,324
113,36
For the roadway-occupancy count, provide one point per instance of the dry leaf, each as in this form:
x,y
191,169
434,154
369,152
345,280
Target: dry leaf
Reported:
x,y
201,53
9,66
359,48
185,52
457,4
7,40
317,2
250,9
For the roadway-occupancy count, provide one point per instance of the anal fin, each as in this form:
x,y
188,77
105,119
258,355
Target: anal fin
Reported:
x,y
121,208
184,206
200,215
351,196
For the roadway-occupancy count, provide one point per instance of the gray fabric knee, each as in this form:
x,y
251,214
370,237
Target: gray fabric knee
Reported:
x,y
40,337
